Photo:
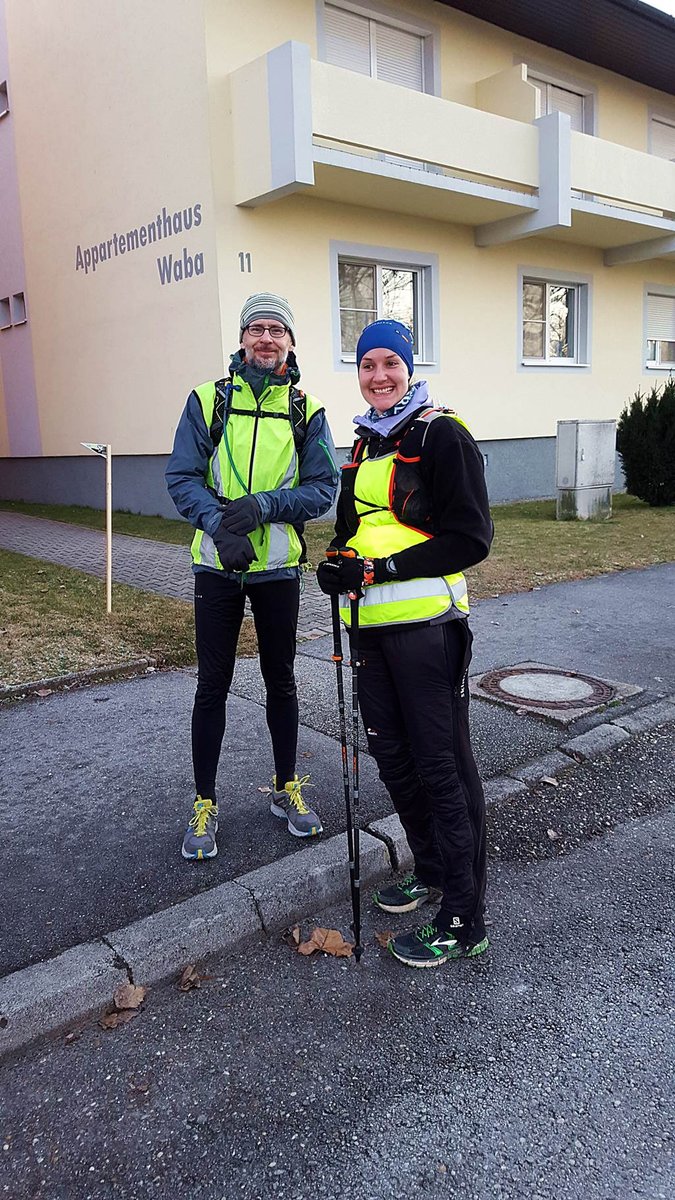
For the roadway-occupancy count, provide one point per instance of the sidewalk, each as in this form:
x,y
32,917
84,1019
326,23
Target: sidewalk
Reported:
x,y
106,769
139,562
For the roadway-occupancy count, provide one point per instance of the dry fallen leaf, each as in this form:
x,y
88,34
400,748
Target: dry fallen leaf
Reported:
x,y
264,789
190,979
44,692
129,995
71,1037
553,835
111,1020
550,780
292,936
330,941
384,938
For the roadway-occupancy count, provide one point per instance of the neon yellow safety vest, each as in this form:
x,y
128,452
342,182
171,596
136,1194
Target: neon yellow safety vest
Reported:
x,y
257,451
379,535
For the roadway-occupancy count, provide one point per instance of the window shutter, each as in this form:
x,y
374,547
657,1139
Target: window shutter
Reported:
x,y
663,139
557,99
660,318
399,56
347,39
568,102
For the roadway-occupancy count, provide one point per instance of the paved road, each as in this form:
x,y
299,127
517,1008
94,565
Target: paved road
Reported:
x,y
541,1072
107,768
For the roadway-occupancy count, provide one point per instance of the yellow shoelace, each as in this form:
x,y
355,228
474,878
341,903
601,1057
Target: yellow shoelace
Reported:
x,y
295,793
203,810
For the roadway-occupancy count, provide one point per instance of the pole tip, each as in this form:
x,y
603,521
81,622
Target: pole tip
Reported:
x,y
358,951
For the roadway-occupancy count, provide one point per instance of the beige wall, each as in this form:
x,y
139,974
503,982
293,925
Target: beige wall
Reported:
x,y
479,364
288,241
122,108
110,111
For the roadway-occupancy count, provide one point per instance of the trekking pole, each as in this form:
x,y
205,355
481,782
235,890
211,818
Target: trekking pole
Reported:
x,y
354,656
338,660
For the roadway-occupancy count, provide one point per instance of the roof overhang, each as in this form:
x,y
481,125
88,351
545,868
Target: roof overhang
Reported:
x,y
625,36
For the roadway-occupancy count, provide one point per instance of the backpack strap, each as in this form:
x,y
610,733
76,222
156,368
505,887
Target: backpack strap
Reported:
x,y
222,408
298,416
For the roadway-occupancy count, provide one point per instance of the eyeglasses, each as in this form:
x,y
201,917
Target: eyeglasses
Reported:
x,y
274,330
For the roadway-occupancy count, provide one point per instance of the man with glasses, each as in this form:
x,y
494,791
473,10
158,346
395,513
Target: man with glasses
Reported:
x,y
252,461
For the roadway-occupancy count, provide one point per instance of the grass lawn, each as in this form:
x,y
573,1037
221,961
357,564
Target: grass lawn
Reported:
x,y
52,619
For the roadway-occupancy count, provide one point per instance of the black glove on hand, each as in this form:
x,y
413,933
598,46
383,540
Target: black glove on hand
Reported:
x,y
340,574
234,551
242,516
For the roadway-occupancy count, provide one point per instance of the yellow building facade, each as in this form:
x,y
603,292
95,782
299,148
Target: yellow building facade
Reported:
x,y
160,161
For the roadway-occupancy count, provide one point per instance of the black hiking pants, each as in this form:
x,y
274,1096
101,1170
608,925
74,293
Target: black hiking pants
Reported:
x,y
414,699
219,611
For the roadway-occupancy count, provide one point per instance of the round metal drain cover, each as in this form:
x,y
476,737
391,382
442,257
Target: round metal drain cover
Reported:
x,y
546,687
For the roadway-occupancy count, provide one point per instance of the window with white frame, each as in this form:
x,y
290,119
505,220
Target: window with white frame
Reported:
x,y
374,46
661,331
554,322
371,291
555,98
662,139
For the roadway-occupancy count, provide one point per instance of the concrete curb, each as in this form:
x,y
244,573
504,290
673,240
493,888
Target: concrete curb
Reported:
x,y
52,995
78,678
594,743
49,996
56,993
390,831
161,945
287,890
647,718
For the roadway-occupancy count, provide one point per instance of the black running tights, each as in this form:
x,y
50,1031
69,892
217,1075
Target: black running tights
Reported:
x,y
219,611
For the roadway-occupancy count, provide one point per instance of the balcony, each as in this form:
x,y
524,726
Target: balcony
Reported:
x,y
348,138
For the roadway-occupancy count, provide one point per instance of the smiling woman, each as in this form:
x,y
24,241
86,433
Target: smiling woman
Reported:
x,y
412,514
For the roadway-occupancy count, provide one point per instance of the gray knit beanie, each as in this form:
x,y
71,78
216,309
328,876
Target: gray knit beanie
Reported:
x,y
267,306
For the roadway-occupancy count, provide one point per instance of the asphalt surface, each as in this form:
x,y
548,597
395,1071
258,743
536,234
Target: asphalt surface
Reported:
x,y
107,768
543,1070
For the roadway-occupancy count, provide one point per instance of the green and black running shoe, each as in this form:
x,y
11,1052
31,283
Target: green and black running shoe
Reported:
x,y
431,947
403,897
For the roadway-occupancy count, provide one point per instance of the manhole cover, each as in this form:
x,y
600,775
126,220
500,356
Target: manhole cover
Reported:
x,y
549,691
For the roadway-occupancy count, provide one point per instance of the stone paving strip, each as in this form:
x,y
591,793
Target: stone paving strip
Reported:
x,y
52,995
139,562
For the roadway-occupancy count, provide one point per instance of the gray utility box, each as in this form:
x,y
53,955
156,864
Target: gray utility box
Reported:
x,y
585,456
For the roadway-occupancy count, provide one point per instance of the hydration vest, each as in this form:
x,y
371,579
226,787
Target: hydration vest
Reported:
x,y
255,449
388,503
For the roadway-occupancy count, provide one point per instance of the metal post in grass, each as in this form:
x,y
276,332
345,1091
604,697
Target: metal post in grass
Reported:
x,y
106,453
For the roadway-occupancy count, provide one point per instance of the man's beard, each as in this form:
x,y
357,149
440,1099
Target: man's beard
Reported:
x,y
275,367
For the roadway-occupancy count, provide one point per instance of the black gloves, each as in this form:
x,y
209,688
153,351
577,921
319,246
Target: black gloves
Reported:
x,y
344,571
234,551
340,573
242,516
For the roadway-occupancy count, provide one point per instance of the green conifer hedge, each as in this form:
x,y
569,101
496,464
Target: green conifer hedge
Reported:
x,y
645,439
